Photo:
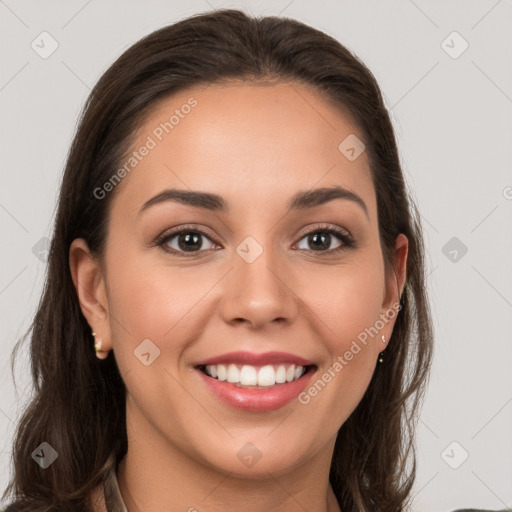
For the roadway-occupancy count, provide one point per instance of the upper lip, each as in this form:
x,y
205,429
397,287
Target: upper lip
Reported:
x,y
254,359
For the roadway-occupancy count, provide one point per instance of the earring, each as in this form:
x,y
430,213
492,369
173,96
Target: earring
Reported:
x,y
100,354
381,355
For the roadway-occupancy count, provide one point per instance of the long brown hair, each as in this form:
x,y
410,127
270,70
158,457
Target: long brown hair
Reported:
x,y
78,405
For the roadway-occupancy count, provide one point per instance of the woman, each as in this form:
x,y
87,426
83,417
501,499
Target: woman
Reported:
x,y
235,314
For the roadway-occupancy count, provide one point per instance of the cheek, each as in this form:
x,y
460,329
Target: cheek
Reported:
x,y
156,303
349,307
346,301
151,300
165,304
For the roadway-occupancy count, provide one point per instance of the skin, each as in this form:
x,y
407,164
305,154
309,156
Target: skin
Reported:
x,y
255,145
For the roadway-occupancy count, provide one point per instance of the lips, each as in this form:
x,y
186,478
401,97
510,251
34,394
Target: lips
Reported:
x,y
253,359
266,388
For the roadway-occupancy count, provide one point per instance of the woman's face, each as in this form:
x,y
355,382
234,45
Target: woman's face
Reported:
x,y
254,271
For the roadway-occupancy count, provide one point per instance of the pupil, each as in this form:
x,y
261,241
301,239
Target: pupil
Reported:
x,y
186,238
323,244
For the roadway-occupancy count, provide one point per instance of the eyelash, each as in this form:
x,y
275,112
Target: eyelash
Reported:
x,y
347,241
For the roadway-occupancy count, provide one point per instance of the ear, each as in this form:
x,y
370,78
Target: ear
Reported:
x,y
88,278
395,285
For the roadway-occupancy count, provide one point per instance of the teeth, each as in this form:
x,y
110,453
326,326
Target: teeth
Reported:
x,y
266,376
221,372
248,375
233,374
281,375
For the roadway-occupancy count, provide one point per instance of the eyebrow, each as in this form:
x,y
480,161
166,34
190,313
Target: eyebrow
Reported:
x,y
213,202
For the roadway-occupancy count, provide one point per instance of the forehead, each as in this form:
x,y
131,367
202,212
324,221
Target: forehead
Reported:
x,y
250,143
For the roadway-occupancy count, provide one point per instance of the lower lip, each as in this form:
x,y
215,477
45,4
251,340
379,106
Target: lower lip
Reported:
x,y
256,400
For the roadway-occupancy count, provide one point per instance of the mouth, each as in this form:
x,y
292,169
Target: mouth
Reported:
x,y
256,376
255,388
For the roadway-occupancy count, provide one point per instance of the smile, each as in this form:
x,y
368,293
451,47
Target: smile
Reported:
x,y
255,397
254,376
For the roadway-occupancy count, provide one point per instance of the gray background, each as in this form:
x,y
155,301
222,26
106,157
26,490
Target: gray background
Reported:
x,y
454,126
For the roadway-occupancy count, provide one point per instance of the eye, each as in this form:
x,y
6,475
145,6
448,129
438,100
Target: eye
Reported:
x,y
321,239
184,240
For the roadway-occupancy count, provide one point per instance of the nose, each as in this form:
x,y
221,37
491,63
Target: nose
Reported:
x,y
259,293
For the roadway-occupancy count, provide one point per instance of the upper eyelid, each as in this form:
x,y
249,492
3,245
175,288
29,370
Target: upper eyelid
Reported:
x,y
185,229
